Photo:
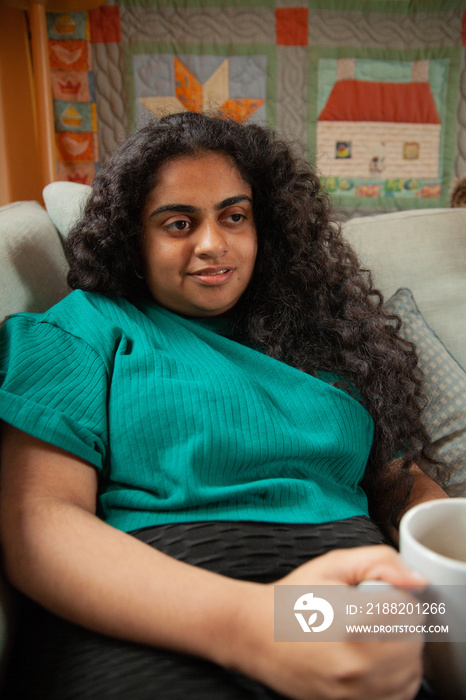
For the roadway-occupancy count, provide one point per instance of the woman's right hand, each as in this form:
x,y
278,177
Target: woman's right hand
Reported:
x,y
347,669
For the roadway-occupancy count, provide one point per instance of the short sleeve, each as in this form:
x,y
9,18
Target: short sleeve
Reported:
x,y
54,386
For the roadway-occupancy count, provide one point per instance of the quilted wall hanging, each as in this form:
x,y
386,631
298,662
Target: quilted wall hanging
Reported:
x,y
373,91
70,56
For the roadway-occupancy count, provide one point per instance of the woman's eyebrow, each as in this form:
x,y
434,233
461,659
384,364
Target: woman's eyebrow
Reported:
x,y
233,200
189,209
179,208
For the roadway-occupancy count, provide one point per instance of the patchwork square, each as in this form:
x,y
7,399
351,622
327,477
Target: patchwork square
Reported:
x,y
105,24
291,26
231,83
397,110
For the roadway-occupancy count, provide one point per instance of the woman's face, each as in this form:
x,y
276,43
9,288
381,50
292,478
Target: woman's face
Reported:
x,y
199,241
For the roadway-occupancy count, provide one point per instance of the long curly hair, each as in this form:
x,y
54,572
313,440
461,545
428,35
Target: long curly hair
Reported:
x,y
309,303
458,193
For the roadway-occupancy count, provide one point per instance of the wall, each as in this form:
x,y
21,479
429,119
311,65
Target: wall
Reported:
x,y
20,175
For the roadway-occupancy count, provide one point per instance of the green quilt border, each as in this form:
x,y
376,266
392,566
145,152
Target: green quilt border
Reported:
x,y
133,48
454,54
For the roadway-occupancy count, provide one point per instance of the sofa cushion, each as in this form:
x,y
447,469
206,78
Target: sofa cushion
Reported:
x,y
32,263
445,388
64,202
424,250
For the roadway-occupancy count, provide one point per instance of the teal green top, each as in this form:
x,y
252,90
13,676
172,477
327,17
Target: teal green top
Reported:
x,y
182,422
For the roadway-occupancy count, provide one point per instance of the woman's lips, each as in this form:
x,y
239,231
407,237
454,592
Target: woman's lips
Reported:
x,y
213,277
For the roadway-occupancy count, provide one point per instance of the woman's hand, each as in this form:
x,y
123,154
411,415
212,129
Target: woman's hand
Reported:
x,y
323,670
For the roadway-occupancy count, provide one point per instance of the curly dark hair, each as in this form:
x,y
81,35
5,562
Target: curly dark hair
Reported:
x,y
309,303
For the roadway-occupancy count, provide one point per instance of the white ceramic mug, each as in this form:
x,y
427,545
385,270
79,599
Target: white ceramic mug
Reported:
x,y
433,542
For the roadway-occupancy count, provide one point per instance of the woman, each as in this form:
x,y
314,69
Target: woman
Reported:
x,y
220,385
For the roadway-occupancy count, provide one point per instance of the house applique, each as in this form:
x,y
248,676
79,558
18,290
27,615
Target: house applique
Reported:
x,y
390,130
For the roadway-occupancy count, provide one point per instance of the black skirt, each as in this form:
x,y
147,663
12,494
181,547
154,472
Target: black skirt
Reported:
x,y
52,659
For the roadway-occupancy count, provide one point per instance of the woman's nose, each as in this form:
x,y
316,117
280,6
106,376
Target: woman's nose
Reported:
x,y
210,241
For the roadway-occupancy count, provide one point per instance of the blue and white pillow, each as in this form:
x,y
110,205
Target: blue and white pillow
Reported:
x,y
444,386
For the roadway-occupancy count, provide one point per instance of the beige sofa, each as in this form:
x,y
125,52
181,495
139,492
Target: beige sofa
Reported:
x,y
418,260
423,251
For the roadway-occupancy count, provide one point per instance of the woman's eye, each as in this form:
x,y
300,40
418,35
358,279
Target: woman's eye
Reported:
x,y
236,218
180,225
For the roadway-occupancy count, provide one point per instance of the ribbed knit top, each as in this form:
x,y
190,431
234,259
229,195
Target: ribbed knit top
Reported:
x,y
182,422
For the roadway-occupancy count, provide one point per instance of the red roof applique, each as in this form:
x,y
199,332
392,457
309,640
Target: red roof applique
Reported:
x,y
367,101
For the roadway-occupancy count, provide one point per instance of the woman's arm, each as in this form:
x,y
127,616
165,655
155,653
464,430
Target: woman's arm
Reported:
x,y
59,553
423,489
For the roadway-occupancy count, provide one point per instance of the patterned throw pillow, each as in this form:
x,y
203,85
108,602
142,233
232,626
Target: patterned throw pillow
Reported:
x,y
444,386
